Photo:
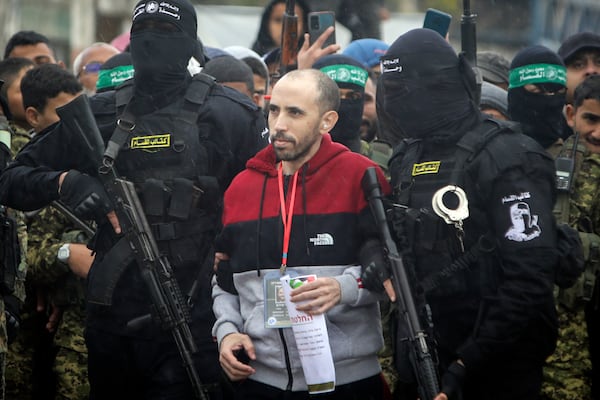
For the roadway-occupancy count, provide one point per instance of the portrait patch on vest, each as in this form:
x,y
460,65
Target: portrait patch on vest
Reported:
x,y
150,143
523,222
429,167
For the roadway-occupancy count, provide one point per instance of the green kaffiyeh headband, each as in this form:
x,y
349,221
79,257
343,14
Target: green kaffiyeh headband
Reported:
x,y
110,78
537,73
345,73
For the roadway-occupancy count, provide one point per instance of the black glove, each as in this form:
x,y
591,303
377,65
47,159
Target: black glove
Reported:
x,y
375,269
13,317
86,196
453,380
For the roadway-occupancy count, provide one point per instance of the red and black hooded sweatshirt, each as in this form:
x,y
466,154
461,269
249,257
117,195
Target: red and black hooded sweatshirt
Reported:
x,y
331,224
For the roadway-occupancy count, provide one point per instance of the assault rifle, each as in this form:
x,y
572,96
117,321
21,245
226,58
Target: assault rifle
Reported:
x,y
168,304
289,38
421,354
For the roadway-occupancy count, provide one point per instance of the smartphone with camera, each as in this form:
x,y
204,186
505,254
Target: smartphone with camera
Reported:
x,y
318,22
438,21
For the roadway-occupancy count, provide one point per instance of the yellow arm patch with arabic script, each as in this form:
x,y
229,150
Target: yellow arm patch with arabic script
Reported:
x,y
151,142
429,167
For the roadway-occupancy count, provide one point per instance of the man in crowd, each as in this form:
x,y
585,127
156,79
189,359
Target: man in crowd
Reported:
x,y
351,78
32,45
581,54
180,170
233,73
49,358
583,116
327,233
474,224
536,94
87,63
12,71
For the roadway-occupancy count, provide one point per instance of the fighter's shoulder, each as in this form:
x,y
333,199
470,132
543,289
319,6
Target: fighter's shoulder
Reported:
x,y
223,96
506,146
103,103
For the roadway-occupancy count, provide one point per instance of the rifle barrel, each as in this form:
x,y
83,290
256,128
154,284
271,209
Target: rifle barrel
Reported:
x,y
467,7
290,7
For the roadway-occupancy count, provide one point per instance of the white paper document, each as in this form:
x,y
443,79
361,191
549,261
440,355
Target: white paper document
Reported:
x,y
310,332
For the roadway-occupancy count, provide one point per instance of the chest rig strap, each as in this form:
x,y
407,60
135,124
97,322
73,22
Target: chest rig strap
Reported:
x,y
195,96
125,124
120,255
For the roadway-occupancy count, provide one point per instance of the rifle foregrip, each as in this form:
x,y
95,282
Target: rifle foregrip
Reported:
x,y
374,196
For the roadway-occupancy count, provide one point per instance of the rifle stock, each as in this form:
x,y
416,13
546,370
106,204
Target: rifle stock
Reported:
x,y
168,304
289,38
422,356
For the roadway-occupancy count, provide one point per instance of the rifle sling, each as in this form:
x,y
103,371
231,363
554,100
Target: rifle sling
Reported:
x,y
103,281
485,244
125,122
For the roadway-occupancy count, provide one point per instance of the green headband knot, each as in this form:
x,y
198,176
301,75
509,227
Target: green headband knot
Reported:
x,y
345,73
537,73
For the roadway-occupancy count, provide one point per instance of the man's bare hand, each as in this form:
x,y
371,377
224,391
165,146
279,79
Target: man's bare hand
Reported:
x,y
317,297
80,259
236,370
389,289
54,318
308,54
114,221
218,258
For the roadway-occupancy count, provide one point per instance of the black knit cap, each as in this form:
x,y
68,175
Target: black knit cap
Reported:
x,y
180,13
577,42
535,55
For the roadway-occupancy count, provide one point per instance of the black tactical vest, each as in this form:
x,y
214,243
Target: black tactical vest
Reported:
x,y
445,257
168,157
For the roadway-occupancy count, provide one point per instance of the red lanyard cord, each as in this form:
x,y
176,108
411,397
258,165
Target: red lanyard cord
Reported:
x,y
286,216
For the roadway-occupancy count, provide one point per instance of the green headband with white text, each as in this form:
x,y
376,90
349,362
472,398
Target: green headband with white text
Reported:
x,y
537,73
110,78
345,73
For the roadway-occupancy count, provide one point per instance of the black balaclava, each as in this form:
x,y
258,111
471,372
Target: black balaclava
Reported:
x,y
540,114
347,74
160,58
426,90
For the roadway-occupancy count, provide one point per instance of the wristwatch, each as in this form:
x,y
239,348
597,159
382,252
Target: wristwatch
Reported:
x,y
64,253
